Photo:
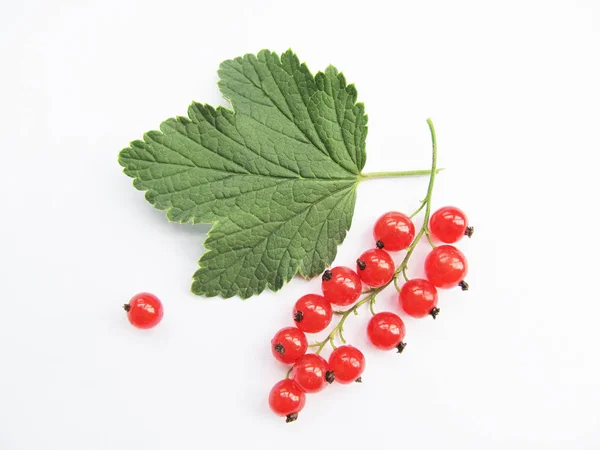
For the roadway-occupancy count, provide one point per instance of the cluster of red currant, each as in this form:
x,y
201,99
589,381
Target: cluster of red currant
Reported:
x,y
445,267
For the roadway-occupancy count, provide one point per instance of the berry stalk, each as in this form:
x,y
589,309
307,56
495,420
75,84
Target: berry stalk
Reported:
x,y
370,297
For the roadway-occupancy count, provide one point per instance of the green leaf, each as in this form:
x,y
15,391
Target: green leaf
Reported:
x,y
276,176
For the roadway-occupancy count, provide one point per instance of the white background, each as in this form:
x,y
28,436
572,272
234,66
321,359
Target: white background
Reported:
x,y
513,88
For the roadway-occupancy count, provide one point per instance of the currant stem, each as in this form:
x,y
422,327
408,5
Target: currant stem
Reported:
x,y
372,293
340,325
402,173
434,171
371,304
429,238
404,274
418,210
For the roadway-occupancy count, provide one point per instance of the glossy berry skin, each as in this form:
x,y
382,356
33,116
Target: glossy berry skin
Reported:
x,y
386,331
394,231
446,267
347,363
311,372
419,298
144,310
449,224
341,286
375,267
287,399
312,313
288,345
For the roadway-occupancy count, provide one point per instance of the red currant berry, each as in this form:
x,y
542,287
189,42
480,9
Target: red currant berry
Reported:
x,y
449,224
347,363
446,267
375,267
341,286
312,313
311,372
144,310
394,231
418,298
288,345
287,399
386,331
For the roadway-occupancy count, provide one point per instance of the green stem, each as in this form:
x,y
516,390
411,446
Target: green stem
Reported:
x,y
371,294
404,273
427,202
434,171
340,325
371,305
402,173
418,210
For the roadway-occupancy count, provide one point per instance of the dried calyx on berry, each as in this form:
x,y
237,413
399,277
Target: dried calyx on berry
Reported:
x,y
291,417
361,264
401,346
330,376
279,348
327,275
469,231
463,285
298,316
379,245
434,312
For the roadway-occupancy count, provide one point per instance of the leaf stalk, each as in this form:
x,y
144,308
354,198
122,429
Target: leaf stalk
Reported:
x,y
399,174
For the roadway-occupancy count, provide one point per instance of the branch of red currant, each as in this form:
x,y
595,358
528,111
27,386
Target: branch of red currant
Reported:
x,y
445,267
371,297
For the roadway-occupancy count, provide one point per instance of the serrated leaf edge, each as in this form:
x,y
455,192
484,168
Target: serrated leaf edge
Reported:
x,y
351,90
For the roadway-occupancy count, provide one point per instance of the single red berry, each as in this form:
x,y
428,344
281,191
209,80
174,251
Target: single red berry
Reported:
x,y
418,298
394,231
375,267
144,310
312,373
449,224
341,286
446,267
347,363
312,313
386,331
288,345
287,399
